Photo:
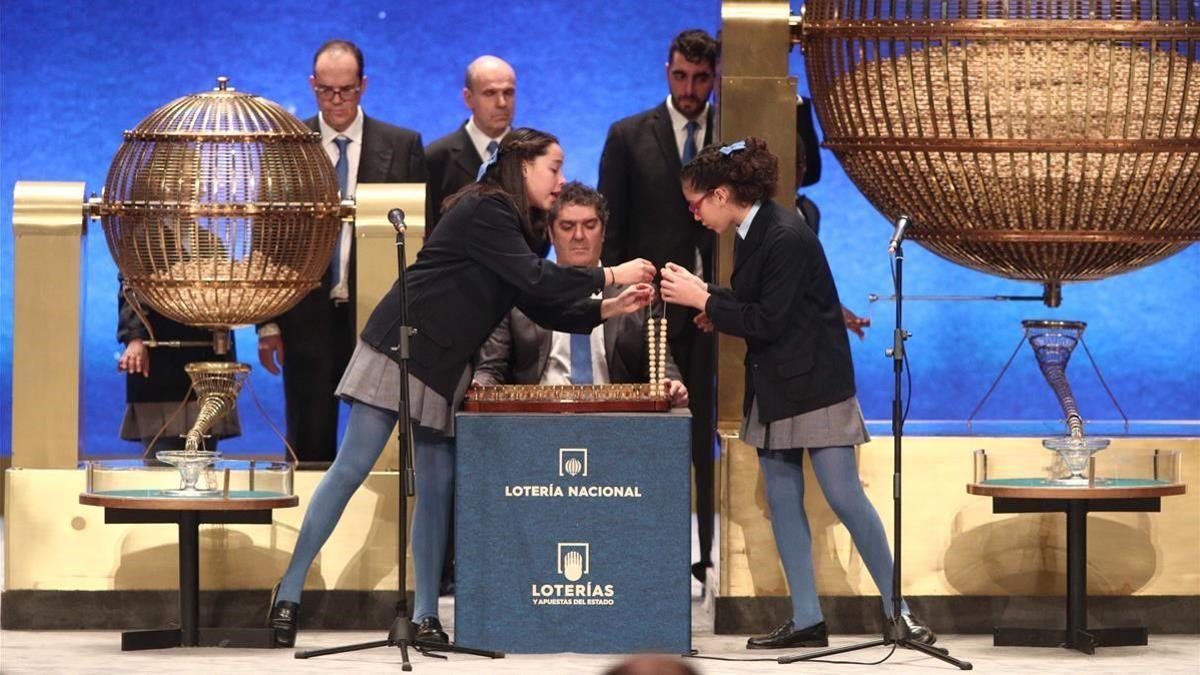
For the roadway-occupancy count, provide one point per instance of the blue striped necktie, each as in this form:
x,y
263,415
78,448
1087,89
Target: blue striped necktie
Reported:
x,y
689,143
581,359
343,175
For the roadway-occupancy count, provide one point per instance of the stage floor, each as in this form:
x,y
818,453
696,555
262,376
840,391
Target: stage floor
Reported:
x,y
99,652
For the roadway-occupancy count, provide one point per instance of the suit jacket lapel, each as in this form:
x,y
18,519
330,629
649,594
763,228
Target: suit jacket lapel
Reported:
x,y
466,157
376,154
611,328
666,139
758,230
544,339
709,136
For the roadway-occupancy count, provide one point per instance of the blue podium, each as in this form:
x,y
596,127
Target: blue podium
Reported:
x,y
573,532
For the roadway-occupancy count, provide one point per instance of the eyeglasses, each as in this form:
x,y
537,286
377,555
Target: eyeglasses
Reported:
x,y
694,207
329,93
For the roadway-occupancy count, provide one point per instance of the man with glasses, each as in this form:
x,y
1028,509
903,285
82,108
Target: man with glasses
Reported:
x,y
639,175
489,92
312,342
520,351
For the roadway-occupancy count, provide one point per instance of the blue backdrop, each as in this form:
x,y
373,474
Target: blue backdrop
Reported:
x,y
74,75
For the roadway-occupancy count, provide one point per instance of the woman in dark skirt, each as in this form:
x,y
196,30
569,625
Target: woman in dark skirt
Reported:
x,y
799,375
485,257
156,383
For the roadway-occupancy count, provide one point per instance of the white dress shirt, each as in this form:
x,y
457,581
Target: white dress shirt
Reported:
x,y
558,365
480,140
744,227
341,292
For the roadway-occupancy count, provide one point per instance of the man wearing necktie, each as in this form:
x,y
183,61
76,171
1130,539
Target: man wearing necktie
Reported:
x,y
489,92
639,175
520,351
312,342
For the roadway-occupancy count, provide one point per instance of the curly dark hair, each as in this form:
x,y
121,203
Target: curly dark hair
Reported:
x,y
505,178
695,45
581,195
752,173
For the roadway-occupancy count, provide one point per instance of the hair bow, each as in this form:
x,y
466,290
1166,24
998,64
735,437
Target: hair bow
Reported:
x,y
728,150
487,164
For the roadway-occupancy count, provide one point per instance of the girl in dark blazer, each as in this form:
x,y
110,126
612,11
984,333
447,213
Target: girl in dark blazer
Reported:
x,y
799,375
485,257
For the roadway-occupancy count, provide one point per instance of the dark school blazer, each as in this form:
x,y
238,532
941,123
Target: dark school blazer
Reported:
x,y
784,303
473,269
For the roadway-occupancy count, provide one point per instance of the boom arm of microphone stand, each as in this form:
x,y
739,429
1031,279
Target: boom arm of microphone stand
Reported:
x,y
874,297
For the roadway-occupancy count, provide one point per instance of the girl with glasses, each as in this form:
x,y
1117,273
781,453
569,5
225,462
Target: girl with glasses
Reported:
x,y
799,375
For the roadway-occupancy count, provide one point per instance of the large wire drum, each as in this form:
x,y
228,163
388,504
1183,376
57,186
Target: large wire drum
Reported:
x,y
1044,140
221,209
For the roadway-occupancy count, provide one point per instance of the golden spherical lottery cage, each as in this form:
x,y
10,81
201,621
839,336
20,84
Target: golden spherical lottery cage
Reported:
x,y
1052,141
1040,141
220,209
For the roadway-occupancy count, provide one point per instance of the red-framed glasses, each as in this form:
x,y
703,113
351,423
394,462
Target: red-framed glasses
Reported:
x,y
694,207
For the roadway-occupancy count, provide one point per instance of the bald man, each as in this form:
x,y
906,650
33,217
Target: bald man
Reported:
x,y
489,92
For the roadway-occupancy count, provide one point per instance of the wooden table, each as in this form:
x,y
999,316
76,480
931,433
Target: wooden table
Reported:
x,y
151,506
1034,495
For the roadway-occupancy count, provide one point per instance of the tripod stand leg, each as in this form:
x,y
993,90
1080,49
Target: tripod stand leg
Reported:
x,y
455,649
405,664
935,652
832,651
343,649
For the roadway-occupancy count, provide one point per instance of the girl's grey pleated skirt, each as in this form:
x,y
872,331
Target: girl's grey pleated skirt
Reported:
x,y
373,378
832,426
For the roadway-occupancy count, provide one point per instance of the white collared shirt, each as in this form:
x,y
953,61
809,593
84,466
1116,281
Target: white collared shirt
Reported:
x,y
744,227
558,365
341,292
679,126
480,140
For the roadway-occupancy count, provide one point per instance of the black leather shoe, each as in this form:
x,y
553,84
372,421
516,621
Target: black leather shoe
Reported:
x,y
430,630
787,636
283,619
700,571
917,631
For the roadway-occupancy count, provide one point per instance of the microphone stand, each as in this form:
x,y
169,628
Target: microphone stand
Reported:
x,y
402,631
894,630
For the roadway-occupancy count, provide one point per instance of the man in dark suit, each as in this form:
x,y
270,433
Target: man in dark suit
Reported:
x,y
520,351
808,172
312,342
490,94
639,174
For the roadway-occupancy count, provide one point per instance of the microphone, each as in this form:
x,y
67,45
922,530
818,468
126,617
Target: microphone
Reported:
x,y
396,218
902,224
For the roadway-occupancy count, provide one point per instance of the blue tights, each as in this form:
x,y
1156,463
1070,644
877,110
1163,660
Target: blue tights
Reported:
x,y
367,433
837,473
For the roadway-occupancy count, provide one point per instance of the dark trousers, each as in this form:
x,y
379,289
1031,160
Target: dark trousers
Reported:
x,y
694,353
315,355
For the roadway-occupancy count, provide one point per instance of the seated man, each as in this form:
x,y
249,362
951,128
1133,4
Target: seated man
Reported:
x,y
521,352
